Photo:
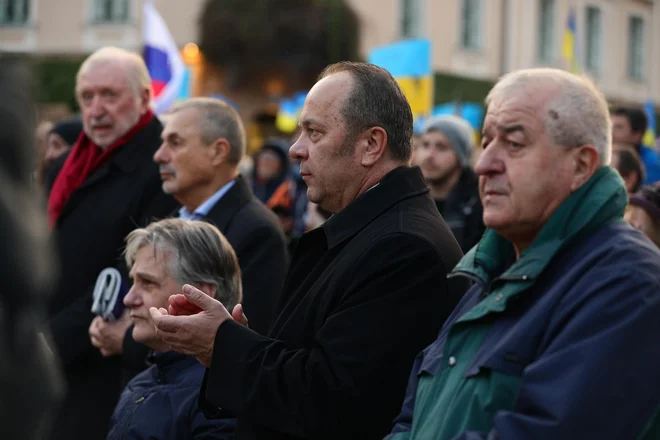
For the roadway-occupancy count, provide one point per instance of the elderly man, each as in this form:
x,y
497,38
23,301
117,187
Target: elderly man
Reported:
x,y
558,338
203,143
105,186
161,402
366,291
444,155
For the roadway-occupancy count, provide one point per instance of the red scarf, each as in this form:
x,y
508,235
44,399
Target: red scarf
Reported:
x,y
85,158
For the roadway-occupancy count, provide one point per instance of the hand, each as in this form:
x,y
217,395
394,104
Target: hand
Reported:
x,y
193,335
238,315
108,336
180,306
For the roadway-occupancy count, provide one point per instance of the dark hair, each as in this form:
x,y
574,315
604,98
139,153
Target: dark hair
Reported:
x,y
636,118
376,99
629,162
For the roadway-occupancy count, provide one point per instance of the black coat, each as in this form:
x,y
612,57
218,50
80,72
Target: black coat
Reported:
x,y
123,194
260,245
463,211
366,292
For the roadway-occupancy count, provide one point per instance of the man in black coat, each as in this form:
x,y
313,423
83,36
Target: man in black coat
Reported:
x,y
365,293
105,187
203,142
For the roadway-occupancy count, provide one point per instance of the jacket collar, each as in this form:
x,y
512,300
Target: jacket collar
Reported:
x,y
399,184
237,196
601,200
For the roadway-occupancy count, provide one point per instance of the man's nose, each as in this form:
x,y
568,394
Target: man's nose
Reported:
x,y
298,150
489,161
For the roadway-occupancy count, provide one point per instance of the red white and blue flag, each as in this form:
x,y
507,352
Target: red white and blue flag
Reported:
x,y
163,59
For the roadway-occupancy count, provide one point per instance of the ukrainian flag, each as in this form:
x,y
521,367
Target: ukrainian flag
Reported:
x,y
568,47
409,62
649,136
289,112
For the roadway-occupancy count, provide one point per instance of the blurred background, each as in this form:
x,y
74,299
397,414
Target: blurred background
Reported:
x,y
262,55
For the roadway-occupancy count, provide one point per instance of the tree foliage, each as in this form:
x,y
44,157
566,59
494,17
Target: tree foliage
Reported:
x,y
244,38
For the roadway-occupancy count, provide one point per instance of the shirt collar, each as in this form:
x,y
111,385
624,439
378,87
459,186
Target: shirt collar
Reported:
x,y
203,209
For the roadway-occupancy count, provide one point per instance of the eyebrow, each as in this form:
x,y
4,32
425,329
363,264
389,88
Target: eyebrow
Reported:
x,y
309,121
170,136
508,129
146,276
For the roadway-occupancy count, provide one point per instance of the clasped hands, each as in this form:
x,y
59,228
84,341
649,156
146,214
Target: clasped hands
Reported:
x,y
191,321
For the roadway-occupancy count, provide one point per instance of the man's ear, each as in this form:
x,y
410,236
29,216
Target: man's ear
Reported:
x,y
145,99
219,151
375,140
586,162
207,288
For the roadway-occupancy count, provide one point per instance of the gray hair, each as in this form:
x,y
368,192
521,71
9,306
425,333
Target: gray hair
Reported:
x,y
137,74
199,253
575,112
218,120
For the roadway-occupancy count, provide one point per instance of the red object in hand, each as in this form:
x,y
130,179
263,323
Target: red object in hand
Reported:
x,y
180,306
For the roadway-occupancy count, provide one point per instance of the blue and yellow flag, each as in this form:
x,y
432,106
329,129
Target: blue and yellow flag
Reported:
x,y
409,62
649,136
568,50
289,112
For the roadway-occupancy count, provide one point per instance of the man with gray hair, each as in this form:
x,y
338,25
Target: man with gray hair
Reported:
x,y
105,186
558,337
161,402
202,145
445,156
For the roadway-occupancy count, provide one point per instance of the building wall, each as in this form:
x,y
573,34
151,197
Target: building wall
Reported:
x,y
508,34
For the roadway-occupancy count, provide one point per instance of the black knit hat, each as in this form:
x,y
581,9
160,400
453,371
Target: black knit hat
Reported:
x,y
69,130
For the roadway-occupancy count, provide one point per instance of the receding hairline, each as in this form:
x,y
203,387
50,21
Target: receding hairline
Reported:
x,y
134,70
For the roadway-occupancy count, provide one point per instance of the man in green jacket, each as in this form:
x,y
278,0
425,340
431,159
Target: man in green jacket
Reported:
x,y
558,337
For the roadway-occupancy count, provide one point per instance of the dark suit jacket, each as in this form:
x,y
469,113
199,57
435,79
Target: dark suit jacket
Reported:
x,y
260,245
366,292
89,235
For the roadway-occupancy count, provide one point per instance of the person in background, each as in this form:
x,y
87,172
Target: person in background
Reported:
x,y
60,139
161,402
643,211
561,326
629,165
629,126
31,382
105,187
276,184
444,155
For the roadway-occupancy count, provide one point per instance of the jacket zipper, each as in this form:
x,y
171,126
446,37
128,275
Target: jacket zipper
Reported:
x,y
130,418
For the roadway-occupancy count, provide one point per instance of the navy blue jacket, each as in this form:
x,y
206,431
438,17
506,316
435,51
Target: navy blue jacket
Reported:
x,y
161,403
575,356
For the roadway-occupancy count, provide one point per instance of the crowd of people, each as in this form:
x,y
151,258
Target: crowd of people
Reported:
x,y
357,280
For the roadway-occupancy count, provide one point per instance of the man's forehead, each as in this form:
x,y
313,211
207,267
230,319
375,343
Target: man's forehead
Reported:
x,y
180,121
104,74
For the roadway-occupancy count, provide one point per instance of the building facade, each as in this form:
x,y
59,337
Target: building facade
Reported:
x,y
617,42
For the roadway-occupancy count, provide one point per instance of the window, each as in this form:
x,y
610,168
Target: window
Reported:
x,y
14,11
411,18
546,31
111,11
471,24
636,48
594,36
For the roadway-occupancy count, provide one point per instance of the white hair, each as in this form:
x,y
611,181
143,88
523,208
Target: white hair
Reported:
x,y
137,74
575,111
